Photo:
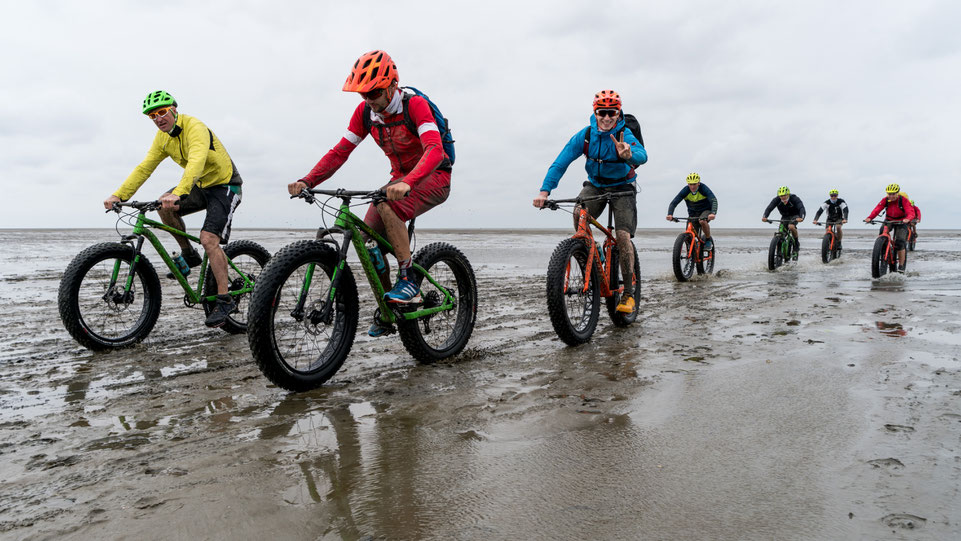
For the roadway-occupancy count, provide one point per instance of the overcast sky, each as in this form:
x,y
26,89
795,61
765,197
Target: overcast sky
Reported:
x,y
750,94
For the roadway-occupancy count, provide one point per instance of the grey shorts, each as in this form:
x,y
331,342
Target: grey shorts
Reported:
x,y
625,207
701,216
220,202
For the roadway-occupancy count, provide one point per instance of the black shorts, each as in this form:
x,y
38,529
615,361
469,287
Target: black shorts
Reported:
x,y
625,207
220,201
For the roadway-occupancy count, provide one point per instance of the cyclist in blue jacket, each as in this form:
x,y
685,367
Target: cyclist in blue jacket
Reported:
x,y
612,153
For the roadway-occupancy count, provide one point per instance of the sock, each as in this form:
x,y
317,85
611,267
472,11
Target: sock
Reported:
x,y
403,267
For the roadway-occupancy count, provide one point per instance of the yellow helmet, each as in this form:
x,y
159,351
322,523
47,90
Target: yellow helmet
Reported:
x,y
783,190
693,178
893,188
834,191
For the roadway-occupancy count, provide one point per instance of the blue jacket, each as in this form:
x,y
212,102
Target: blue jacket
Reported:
x,y
610,166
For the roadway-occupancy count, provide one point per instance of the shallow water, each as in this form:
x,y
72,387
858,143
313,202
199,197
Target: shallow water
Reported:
x,y
808,403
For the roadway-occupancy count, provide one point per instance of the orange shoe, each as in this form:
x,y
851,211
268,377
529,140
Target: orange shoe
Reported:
x,y
626,306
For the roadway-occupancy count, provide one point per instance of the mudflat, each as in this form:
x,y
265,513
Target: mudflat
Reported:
x,y
808,403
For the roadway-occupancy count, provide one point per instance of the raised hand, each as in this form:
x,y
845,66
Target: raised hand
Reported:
x,y
623,149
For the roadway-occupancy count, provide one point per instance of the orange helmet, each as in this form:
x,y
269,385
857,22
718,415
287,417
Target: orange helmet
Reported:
x,y
372,70
607,98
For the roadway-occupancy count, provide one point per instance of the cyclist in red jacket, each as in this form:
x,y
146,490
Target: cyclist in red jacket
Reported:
x,y
420,169
896,207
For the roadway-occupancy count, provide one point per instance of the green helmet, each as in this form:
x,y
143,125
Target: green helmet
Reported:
x,y
157,99
693,178
783,190
833,192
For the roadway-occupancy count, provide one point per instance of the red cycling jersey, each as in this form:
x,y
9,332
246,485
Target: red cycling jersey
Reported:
x,y
893,209
413,156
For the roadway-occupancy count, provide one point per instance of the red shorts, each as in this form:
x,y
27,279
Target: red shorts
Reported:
x,y
427,194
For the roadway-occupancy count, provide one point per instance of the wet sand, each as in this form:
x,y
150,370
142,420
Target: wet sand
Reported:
x,y
808,403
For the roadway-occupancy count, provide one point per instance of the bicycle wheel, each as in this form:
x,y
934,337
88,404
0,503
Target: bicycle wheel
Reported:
x,y
620,318
774,256
827,254
299,345
706,264
879,264
250,258
443,334
94,307
573,309
683,265
913,233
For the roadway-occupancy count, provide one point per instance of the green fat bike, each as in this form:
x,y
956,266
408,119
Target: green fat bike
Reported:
x,y
304,311
781,249
109,296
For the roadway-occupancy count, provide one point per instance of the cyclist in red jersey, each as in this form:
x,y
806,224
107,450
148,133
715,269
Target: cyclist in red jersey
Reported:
x,y
896,207
420,169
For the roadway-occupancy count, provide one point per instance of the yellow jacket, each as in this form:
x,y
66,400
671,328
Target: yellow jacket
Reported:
x,y
194,147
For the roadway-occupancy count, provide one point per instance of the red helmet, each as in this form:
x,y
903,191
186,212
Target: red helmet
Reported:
x,y
372,70
607,99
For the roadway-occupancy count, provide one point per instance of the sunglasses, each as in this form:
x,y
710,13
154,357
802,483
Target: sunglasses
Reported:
x,y
373,94
157,113
607,112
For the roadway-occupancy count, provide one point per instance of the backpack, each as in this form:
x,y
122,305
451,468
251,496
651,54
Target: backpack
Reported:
x,y
447,139
630,122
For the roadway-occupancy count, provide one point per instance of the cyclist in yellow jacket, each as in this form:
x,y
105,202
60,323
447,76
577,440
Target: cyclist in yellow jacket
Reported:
x,y
210,181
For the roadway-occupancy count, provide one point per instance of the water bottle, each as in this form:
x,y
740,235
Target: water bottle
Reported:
x,y
380,265
181,263
600,250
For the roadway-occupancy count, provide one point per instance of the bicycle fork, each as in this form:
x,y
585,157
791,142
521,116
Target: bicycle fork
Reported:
x,y
325,314
126,296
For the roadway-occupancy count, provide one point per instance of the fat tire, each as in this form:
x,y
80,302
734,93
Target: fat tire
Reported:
x,y
774,256
268,304
68,299
568,332
879,267
236,323
827,254
621,319
706,266
682,271
464,314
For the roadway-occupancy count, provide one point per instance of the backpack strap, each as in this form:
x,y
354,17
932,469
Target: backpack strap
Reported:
x,y
407,122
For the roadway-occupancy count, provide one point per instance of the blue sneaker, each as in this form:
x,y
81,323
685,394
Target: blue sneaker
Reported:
x,y
404,292
708,245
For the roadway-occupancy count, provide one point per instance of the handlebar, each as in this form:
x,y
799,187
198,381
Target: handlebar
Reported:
x,y
885,222
307,194
553,204
142,206
688,219
783,221
826,223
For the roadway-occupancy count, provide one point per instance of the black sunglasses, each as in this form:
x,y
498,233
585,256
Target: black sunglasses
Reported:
x,y
607,112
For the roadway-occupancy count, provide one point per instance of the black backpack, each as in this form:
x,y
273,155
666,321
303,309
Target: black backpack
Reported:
x,y
630,122
443,126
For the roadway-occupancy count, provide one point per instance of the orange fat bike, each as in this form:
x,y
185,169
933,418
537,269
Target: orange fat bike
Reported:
x,y
580,272
689,253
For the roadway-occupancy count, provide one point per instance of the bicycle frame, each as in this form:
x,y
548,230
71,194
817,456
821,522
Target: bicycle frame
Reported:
x,y
584,222
354,230
829,229
694,252
141,230
890,254
787,239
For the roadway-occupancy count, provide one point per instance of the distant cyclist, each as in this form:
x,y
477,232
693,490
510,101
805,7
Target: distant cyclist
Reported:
x,y
701,204
210,181
612,152
914,222
420,169
896,207
791,208
837,211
